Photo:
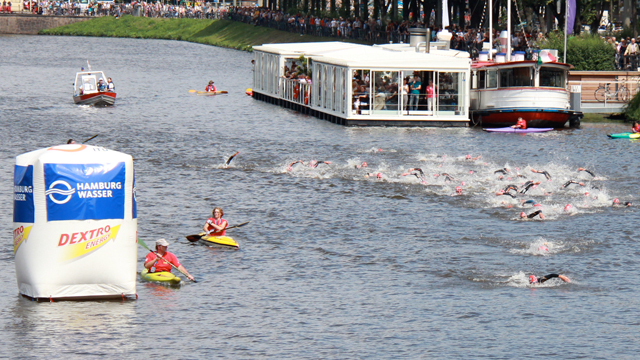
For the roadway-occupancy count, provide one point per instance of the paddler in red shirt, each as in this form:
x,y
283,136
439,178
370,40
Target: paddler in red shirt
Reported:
x,y
155,264
210,87
636,127
520,124
215,225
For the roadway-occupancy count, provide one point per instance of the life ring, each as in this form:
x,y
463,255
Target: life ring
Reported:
x,y
306,98
296,92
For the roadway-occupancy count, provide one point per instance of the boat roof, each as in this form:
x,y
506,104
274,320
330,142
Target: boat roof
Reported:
x,y
365,56
488,64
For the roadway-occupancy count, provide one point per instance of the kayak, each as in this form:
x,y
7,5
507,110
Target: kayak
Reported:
x,y
221,240
162,276
512,130
626,135
209,93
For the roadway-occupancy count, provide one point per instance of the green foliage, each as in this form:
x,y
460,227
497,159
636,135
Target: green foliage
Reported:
x,y
224,33
584,52
632,110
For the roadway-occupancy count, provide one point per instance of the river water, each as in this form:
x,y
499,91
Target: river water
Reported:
x,y
333,264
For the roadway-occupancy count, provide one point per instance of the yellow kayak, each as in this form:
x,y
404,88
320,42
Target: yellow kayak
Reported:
x,y
221,240
161,276
219,92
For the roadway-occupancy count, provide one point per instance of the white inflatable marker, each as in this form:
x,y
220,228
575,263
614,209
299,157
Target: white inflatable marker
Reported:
x,y
75,223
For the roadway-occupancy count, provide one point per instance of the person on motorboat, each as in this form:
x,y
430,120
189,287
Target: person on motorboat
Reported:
x,y
636,127
539,280
101,85
520,124
210,87
156,264
110,85
216,225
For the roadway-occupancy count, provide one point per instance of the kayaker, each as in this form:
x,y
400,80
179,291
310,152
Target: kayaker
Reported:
x,y
155,264
543,172
520,124
539,280
215,225
210,87
636,127
71,141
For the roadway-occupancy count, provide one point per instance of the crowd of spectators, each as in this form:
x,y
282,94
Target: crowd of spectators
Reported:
x,y
627,52
137,8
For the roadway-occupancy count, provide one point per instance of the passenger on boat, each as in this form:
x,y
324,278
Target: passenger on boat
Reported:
x,y
155,264
414,92
215,225
101,85
539,280
636,127
110,85
520,124
431,94
210,87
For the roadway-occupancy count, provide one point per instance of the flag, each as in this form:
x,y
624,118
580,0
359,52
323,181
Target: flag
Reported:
x,y
445,13
571,15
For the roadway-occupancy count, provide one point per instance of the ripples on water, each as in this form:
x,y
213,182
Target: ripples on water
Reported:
x,y
333,264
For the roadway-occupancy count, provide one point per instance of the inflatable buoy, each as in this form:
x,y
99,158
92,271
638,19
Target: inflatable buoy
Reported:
x,y
249,92
296,92
306,98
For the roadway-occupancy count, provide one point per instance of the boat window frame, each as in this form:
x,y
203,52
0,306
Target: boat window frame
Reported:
x,y
512,81
563,80
492,79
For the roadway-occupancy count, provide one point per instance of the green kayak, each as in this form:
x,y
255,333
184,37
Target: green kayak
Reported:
x,y
627,135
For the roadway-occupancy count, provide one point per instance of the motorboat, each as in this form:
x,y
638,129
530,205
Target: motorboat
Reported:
x,y
87,92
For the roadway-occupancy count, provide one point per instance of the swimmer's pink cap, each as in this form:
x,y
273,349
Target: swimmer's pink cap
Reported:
x,y
522,214
379,175
364,164
586,193
536,204
533,279
470,171
616,201
567,207
462,183
458,189
468,157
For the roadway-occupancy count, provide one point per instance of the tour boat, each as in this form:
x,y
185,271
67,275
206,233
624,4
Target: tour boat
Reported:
x,y
503,91
86,89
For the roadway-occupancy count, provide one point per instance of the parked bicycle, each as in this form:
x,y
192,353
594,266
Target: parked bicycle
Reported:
x,y
604,93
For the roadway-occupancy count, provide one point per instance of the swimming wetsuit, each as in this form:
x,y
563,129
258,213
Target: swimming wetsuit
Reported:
x,y
547,277
546,174
570,182
502,171
589,172
511,187
526,187
534,214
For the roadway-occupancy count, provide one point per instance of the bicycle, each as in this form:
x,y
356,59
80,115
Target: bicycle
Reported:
x,y
603,93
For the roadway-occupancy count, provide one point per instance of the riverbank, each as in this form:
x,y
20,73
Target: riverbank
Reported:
x,y
224,33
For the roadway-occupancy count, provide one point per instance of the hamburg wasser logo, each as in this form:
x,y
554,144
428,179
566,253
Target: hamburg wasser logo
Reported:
x,y
60,194
84,191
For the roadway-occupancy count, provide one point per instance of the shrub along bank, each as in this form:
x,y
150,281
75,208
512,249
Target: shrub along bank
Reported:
x,y
222,33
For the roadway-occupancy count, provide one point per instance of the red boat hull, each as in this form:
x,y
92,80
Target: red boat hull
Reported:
x,y
98,99
536,118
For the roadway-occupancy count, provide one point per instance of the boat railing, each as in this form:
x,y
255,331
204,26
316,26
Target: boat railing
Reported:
x,y
293,90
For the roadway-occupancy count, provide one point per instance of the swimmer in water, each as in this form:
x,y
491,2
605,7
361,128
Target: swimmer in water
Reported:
x,y
539,280
231,158
502,171
532,215
458,191
511,187
502,192
531,202
363,165
314,163
587,171
528,185
616,203
376,175
418,173
543,172
447,177
468,157
290,167
572,182
543,247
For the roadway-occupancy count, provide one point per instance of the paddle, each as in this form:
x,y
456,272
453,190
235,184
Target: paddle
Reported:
x,y
142,243
91,138
194,238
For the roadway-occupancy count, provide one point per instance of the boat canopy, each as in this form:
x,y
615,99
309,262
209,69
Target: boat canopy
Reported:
x,y
87,82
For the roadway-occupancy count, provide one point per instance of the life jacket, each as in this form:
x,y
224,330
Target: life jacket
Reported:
x,y
522,123
217,222
636,128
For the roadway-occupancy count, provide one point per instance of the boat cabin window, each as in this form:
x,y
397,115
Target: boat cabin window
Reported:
x,y
481,79
492,79
550,77
361,89
385,91
516,77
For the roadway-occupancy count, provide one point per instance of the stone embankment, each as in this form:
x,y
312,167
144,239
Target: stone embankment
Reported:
x,y
28,24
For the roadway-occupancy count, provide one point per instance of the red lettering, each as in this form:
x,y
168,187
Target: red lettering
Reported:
x,y
83,236
107,229
73,237
99,232
92,231
64,237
